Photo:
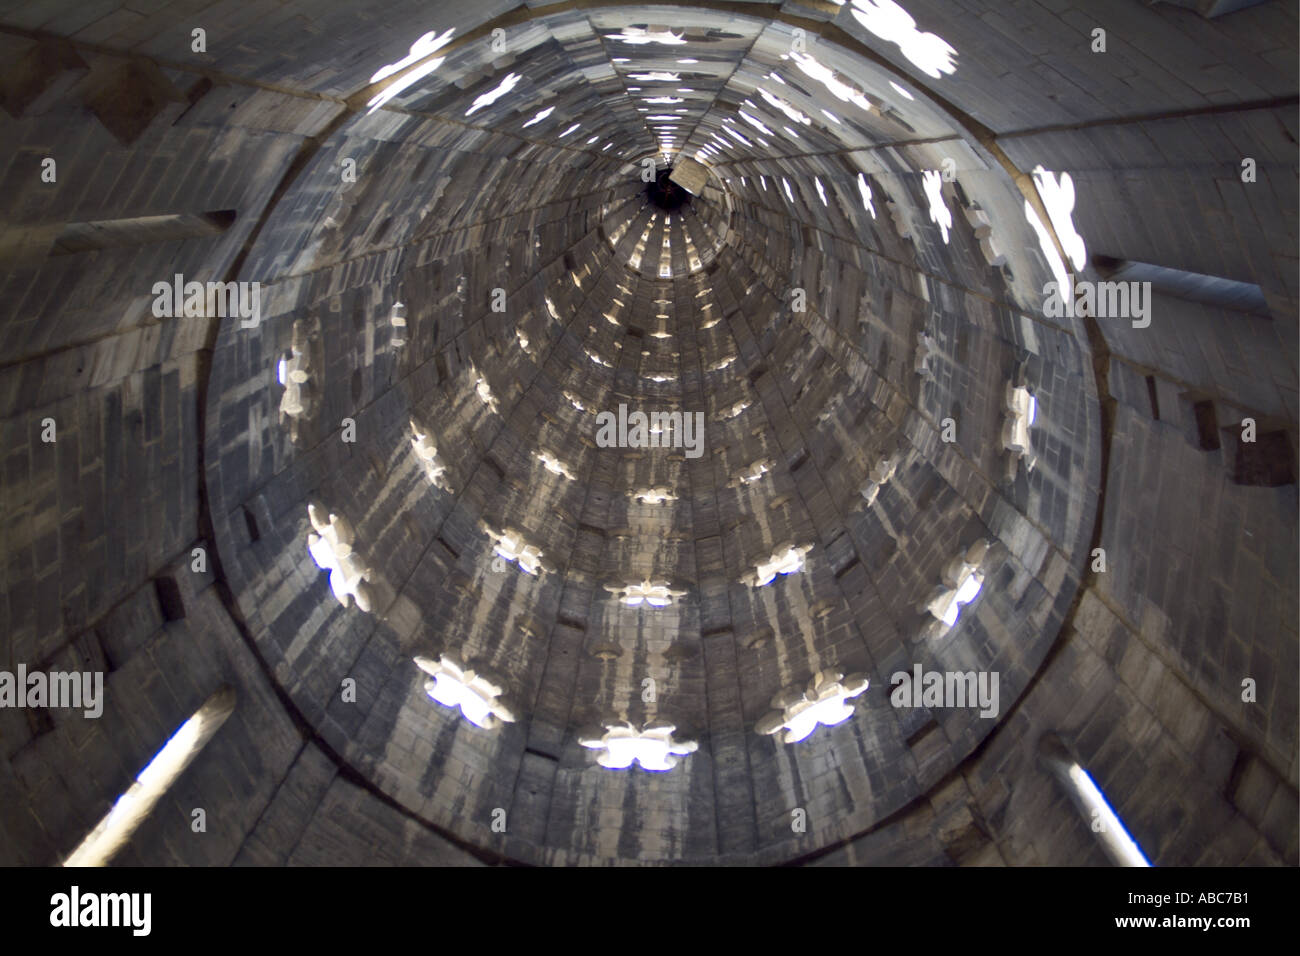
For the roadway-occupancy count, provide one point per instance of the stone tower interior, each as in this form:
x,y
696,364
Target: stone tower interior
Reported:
x,y
356,486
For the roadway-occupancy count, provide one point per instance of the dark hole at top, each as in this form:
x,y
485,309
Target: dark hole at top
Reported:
x,y
665,193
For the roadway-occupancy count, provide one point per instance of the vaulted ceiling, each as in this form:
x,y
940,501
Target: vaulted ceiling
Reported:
x,y
500,199
401,460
